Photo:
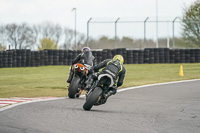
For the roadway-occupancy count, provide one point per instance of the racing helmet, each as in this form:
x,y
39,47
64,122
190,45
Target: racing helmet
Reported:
x,y
119,58
85,49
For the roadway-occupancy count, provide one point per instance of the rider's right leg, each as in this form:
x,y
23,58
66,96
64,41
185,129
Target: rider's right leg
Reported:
x,y
70,76
90,80
112,91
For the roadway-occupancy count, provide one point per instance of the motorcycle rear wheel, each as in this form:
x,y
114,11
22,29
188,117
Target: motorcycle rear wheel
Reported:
x,y
73,87
92,98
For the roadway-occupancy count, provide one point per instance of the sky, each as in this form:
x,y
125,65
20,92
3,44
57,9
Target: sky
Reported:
x,y
60,11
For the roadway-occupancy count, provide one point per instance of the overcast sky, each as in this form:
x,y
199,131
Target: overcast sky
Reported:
x,y
60,11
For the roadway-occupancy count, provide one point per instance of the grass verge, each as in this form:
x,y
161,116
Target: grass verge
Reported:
x,y
51,80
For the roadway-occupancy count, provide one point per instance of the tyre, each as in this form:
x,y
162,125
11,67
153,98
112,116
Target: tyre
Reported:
x,y
73,87
92,98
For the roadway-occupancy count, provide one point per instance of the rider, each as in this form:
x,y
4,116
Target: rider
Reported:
x,y
85,58
115,68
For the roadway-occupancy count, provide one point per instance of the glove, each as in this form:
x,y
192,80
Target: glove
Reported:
x,y
119,84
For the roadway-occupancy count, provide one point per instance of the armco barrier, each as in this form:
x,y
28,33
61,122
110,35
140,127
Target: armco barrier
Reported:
x,y
28,58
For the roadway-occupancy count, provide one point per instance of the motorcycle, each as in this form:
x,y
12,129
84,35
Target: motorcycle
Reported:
x,y
77,84
96,95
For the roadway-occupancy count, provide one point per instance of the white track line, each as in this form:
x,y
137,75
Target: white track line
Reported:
x,y
121,90
173,82
21,103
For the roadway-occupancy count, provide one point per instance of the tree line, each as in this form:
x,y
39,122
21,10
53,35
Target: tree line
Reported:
x,y
41,36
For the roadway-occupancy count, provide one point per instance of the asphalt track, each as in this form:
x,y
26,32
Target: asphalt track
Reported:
x,y
164,108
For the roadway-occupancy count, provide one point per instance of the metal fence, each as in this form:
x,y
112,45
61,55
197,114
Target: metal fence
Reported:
x,y
143,29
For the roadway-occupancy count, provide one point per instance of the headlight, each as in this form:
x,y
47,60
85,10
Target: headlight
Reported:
x,y
82,68
76,66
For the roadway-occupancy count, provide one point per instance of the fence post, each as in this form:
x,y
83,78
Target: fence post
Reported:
x,y
173,31
116,31
88,30
145,31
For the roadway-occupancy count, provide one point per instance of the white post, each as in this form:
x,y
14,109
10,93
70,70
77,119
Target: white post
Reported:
x,y
156,23
74,9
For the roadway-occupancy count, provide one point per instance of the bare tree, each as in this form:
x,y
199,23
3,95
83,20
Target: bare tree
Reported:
x,y
11,34
25,36
1,37
48,30
18,36
58,33
68,38
81,40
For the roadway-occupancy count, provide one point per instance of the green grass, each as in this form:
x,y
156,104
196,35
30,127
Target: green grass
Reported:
x,y
51,80
156,73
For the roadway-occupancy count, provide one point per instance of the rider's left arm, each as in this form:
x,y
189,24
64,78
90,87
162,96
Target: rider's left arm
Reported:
x,y
76,59
101,65
121,77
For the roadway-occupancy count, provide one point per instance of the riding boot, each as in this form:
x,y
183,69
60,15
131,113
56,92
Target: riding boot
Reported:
x,y
113,91
70,77
89,82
